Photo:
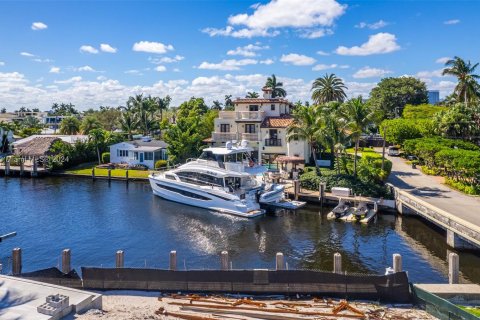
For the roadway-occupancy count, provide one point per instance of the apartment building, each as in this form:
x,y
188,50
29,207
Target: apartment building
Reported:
x,y
263,123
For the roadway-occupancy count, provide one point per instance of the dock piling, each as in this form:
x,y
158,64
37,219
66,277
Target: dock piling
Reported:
x,y
173,260
66,260
224,261
16,261
93,173
7,167
337,263
296,188
279,261
453,268
109,175
22,167
34,167
126,175
119,259
397,262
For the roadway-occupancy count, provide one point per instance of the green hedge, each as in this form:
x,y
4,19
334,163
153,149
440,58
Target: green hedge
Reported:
x,y
106,157
160,164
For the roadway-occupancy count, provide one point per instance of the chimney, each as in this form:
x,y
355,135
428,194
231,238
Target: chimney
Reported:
x,y
267,92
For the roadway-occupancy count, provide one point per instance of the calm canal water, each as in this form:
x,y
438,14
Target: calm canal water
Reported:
x,y
95,219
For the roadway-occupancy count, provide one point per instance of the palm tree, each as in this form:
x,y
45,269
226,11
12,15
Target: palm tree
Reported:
x,y
304,127
217,105
467,88
277,90
97,136
70,125
357,116
128,122
89,123
328,88
252,95
331,128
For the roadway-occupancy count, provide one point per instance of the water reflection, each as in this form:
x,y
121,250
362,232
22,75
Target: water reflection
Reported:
x,y
95,219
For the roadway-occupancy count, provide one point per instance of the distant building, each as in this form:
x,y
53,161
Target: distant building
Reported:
x,y
433,96
144,151
263,122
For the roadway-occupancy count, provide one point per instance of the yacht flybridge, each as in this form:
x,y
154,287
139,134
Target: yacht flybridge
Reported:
x,y
222,179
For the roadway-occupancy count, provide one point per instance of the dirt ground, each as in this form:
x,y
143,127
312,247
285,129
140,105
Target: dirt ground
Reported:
x,y
148,306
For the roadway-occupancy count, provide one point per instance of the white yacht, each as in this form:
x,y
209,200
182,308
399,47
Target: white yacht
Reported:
x,y
221,179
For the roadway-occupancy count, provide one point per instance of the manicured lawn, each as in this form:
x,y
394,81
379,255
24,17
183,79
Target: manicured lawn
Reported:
x,y
86,169
472,310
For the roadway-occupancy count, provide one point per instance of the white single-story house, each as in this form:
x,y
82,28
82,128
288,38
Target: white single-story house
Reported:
x,y
144,151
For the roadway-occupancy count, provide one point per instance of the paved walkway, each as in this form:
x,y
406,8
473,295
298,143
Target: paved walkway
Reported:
x,y
431,190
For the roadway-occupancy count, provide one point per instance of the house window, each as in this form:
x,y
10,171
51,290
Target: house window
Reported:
x,y
122,153
273,133
148,156
272,107
253,108
224,127
249,128
135,155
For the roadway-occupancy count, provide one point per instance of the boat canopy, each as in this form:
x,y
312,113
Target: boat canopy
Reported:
x,y
226,151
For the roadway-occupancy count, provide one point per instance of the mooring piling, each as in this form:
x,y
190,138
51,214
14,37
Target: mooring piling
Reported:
x,y
337,263
224,261
66,260
16,261
279,261
173,260
397,262
453,268
119,259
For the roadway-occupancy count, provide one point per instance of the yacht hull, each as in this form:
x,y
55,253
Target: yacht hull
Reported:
x,y
203,198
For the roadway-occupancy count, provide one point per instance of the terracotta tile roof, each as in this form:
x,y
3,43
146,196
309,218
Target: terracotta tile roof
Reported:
x,y
277,122
260,100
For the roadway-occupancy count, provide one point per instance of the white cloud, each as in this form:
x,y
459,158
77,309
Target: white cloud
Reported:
x,y
452,21
377,44
247,51
101,78
166,59
323,53
68,81
88,49
315,34
267,18
267,61
367,72
134,72
176,70
27,54
442,60
320,67
42,60
39,26
160,68
54,70
151,47
297,59
430,74
373,26
86,68
229,64
2,63
105,47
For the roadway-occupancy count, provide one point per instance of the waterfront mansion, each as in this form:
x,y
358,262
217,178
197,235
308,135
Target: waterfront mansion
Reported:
x,y
263,123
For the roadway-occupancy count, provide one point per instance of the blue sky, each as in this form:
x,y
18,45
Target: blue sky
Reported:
x,y
99,53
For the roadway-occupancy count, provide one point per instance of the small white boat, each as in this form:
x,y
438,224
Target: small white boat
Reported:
x,y
340,210
361,213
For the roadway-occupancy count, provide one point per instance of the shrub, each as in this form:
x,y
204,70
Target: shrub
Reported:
x,y
468,189
106,157
160,164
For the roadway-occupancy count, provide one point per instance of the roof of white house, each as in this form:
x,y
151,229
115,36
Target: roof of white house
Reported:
x,y
142,145
71,139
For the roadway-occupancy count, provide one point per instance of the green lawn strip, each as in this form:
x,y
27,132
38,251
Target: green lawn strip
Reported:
x,y
116,173
473,310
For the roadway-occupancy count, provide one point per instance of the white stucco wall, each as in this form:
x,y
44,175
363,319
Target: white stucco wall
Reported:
x,y
130,158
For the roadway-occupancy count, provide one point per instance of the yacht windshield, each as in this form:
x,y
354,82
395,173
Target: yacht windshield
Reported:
x,y
208,155
199,178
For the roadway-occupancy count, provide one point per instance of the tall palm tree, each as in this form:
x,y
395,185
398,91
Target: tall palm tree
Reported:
x,y
467,88
217,105
97,136
304,127
252,95
128,122
357,116
89,123
70,125
328,88
277,90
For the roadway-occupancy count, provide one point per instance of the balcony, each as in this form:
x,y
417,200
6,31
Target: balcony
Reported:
x,y
224,136
273,142
227,115
250,136
250,115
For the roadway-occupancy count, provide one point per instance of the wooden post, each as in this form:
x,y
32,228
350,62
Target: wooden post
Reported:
x,y
126,175
119,259
337,263
224,261
93,173
34,168
279,261
296,188
109,174
7,167
453,268
173,260
397,262
66,261
16,261
22,167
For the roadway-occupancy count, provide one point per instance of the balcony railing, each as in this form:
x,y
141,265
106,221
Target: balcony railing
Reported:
x,y
227,115
250,136
224,136
250,115
273,142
